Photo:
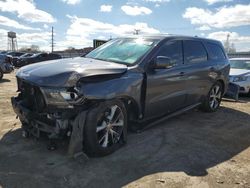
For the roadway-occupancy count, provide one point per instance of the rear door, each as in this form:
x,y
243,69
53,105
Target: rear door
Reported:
x,y
197,70
165,91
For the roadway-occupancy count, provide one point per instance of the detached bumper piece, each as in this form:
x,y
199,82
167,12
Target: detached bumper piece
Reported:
x,y
233,91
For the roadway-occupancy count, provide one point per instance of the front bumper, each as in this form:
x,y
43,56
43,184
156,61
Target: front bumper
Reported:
x,y
244,86
32,121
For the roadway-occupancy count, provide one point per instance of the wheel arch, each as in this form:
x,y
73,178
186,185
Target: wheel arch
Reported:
x,y
222,84
132,107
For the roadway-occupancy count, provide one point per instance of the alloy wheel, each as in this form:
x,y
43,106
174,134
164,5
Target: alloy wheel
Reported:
x,y
215,97
110,127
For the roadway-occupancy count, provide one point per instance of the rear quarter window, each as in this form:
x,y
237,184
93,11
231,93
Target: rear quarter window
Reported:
x,y
215,51
194,52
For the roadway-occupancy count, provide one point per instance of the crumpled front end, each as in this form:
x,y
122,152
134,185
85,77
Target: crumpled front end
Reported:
x,y
52,111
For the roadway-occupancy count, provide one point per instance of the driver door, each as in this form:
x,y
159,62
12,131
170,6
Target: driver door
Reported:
x,y
166,90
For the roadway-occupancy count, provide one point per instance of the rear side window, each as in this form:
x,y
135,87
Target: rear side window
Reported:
x,y
172,50
194,52
215,51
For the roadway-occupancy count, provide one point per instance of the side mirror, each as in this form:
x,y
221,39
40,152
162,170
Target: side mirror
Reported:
x,y
163,62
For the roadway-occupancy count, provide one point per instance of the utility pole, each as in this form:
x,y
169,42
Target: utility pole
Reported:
x,y
227,44
52,40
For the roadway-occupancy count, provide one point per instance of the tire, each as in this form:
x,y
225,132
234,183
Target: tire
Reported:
x,y
105,130
1,75
213,99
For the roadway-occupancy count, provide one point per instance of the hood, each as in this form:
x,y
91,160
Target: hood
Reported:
x,y
239,72
66,72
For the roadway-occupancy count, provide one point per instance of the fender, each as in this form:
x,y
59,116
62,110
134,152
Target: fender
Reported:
x,y
128,85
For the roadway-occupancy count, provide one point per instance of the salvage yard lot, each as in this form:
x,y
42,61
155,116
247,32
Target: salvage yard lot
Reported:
x,y
194,149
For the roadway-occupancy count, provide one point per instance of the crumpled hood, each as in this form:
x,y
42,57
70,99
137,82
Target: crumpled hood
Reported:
x,y
239,72
66,72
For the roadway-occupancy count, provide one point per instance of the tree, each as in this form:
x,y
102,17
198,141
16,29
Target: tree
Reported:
x,y
70,49
33,48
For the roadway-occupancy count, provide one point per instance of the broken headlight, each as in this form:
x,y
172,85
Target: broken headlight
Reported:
x,y
64,97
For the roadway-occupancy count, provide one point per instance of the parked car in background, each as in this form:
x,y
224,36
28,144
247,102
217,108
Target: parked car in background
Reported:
x,y
5,66
11,55
95,98
240,74
15,59
15,54
3,52
39,57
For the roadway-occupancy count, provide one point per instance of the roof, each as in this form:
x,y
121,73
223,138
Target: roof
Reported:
x,y
165,36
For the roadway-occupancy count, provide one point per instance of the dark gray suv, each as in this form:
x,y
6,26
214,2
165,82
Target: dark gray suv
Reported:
x,y
127,81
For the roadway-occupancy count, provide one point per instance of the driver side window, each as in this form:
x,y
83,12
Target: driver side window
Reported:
x,y
172,50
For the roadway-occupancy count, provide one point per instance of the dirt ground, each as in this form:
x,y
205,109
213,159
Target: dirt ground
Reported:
x,y
192,150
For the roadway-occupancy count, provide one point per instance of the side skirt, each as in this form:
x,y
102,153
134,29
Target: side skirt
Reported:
x,y
164,118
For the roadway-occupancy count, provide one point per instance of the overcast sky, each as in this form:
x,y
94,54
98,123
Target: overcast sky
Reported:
x,y
77,22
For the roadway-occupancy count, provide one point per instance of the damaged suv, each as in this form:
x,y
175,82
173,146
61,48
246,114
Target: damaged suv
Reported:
x,y
94,99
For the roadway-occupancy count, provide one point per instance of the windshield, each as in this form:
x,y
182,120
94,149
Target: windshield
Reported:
x,y
124,51
240,64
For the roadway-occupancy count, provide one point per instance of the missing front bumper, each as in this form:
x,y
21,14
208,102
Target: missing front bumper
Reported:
x,y
30,120
32,124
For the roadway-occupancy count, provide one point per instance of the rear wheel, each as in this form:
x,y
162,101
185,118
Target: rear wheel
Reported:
x,y
105,129
213,99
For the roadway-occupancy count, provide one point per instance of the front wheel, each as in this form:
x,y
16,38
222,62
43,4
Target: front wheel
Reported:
x,y
105,129
213,99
